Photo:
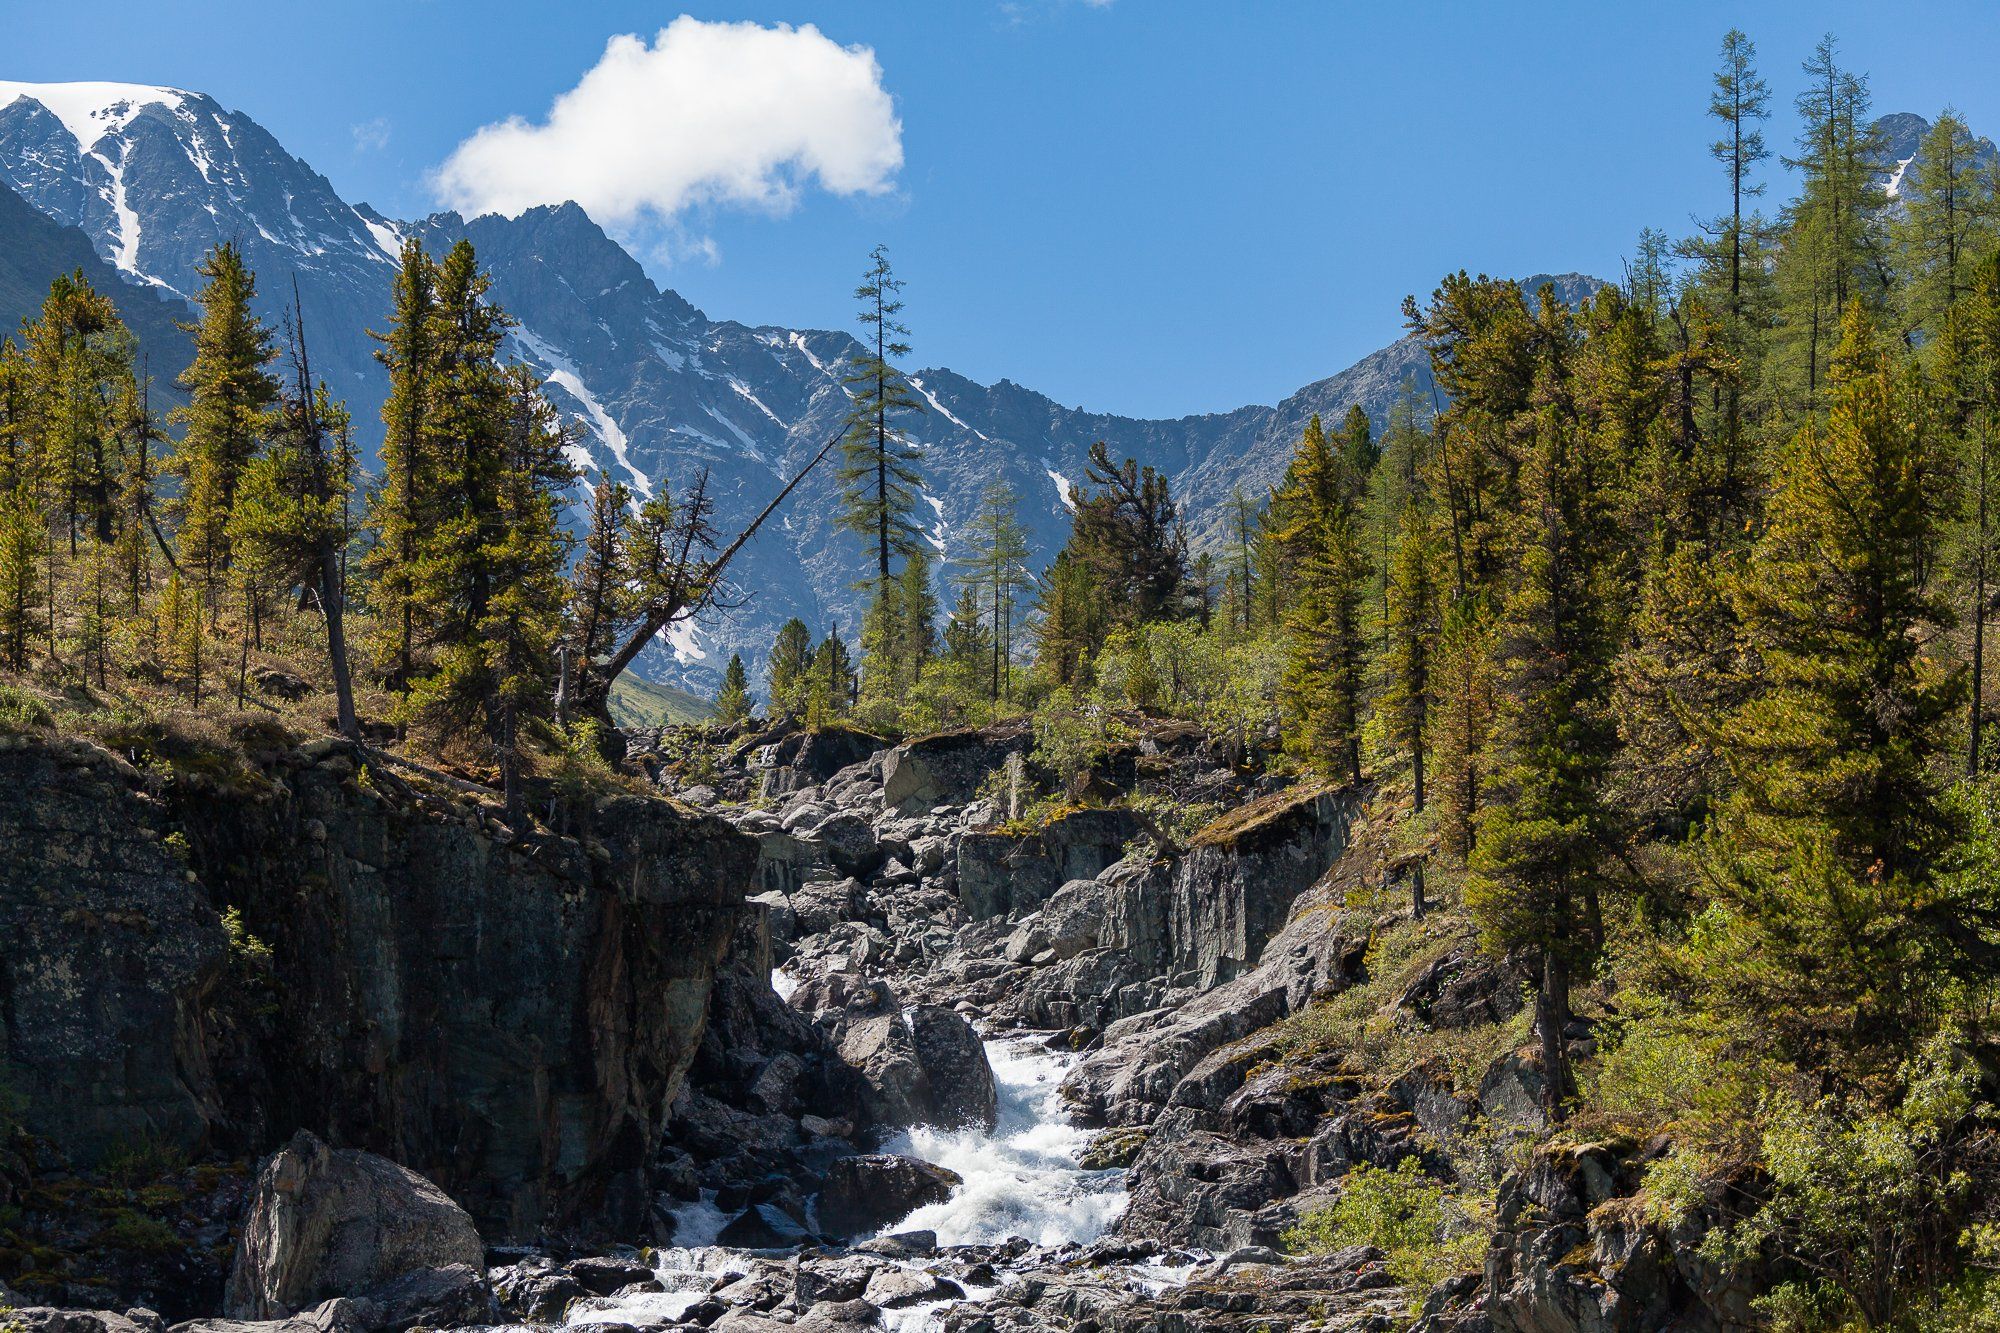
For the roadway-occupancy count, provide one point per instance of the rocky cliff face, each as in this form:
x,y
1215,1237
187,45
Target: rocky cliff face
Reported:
x,y
509,1016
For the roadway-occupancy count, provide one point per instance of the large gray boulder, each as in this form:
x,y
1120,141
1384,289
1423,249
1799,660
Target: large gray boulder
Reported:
x,y
328,1222
863,1194
921,1066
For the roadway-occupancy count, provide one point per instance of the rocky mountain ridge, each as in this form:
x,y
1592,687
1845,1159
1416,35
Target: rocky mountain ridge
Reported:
x,y
154,177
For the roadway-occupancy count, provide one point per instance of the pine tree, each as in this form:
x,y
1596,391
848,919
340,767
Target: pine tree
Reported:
x,y
1946,223
994,569
401,509
1836,918
20,574
525,550
1742,102
1320,700
732,704
1832,252
230,397
1414,621
1538,872
878,473
790,663
830,680
288,530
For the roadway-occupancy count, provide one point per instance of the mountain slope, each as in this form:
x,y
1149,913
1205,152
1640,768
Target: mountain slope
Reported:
x,y
156,176
35,247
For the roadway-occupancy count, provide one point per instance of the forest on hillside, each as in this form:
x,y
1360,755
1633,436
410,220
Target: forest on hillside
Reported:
x,y
1661,631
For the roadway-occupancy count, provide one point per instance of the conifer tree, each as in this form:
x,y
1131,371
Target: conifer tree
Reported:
x,y
994,569
1413,623
830,680
1946,222
20,574
1538,872
878,472
597,583
1837,920
1324,645
231,393
401,509
1832,249
732,703
1742,102
791,661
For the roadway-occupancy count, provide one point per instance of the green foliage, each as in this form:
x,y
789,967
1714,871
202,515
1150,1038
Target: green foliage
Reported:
x,y
1866,1201
1426,1232
732,704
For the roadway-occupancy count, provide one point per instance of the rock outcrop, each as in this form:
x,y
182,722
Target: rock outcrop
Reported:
x,y
865,1194
509,1015
325,1223
115,950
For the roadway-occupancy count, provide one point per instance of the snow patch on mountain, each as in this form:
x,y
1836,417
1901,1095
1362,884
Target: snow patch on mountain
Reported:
x,y
125,254
562,372
1065,490
1894,185
684,639
387,239
940,408
89,111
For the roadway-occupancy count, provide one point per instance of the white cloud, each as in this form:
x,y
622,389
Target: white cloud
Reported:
x,y
371,135
709,113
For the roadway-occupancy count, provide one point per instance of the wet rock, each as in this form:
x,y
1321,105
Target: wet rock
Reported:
x,y
1113,1148
537,1289
326,1222
921,1066
334,1316
865,1194
893,1288
456,1296
601,1275
901,1245
764,1226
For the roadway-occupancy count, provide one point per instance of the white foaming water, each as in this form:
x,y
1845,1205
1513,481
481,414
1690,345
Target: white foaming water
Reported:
x,y
1022,1179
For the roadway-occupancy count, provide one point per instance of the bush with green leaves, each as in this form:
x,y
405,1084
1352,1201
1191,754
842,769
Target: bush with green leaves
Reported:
x,y
1866,1204
1426,1231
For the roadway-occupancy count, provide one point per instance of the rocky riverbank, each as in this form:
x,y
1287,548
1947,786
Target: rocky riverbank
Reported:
x,y
841,1037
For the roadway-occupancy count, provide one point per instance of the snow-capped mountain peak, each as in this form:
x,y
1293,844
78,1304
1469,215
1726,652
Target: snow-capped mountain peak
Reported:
x,y
89,111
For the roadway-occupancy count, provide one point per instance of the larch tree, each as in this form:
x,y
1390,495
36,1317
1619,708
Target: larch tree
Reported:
x,y
878,475
732,702
231,395
1539,869
1835,919
993,567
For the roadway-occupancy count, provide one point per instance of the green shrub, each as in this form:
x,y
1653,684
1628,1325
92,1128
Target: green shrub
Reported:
x,y
1426,1232
22,711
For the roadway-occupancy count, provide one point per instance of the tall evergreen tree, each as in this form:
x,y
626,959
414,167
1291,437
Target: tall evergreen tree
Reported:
x,y
791,660
732,702
231,396
1320,701
1836,920
1545,838
993,568
1946,222
878,474
402,508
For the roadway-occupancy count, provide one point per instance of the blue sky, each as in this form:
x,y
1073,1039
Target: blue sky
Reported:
x,y
1145,206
